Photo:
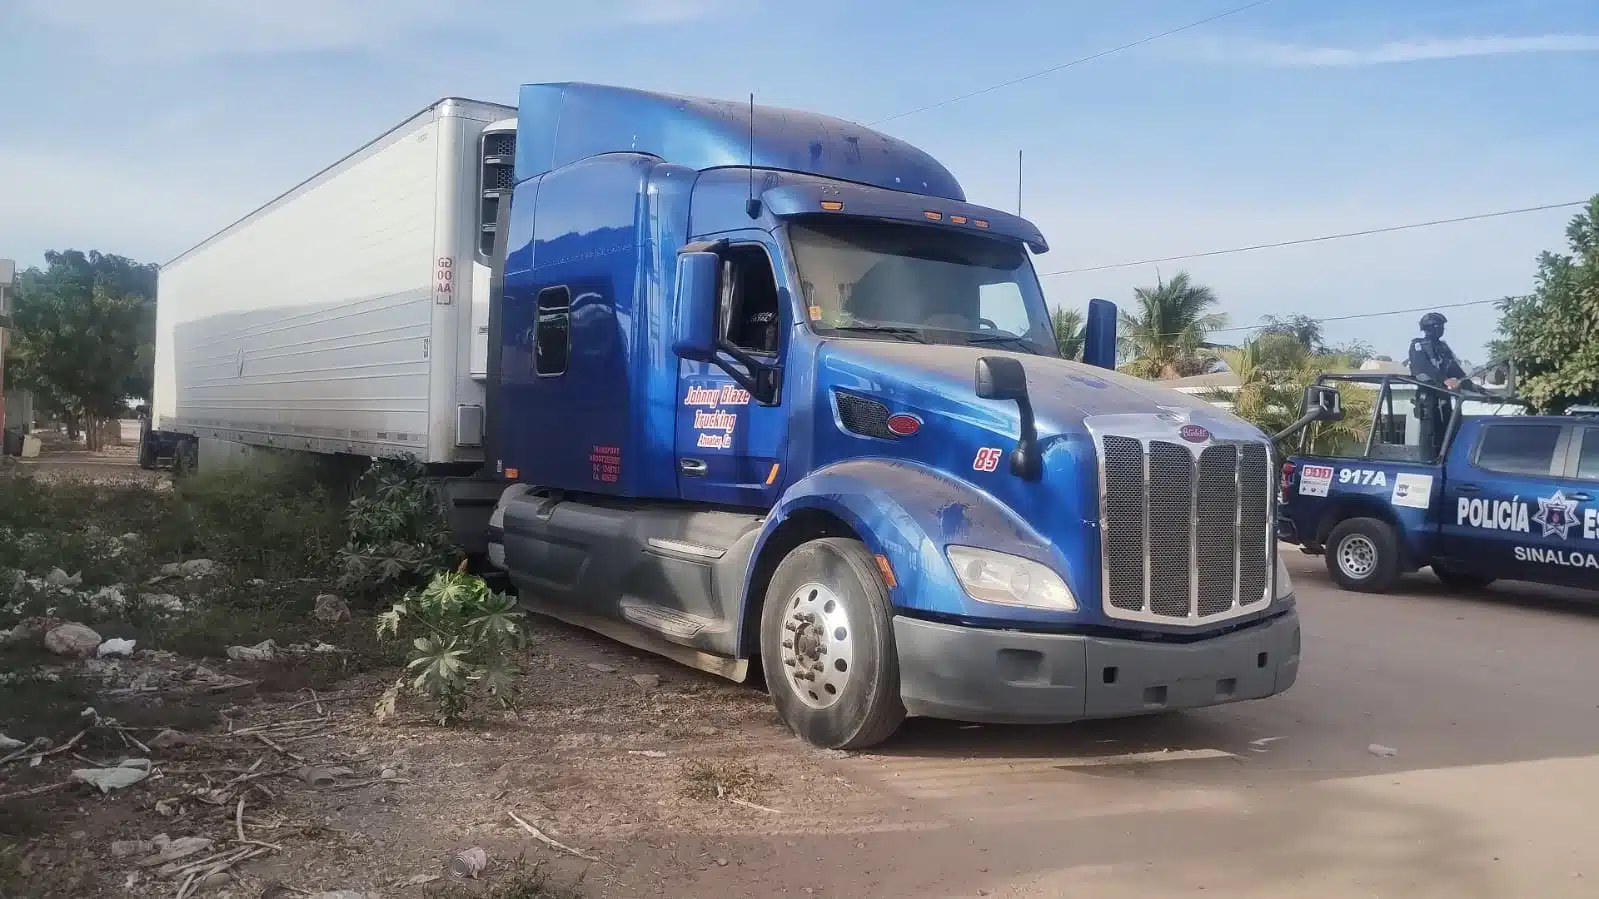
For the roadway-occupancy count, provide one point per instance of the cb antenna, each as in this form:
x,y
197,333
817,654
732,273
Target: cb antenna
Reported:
x,y
752,205
1018,183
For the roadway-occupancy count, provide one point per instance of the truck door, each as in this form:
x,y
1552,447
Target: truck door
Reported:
x,y
729,446
1509,510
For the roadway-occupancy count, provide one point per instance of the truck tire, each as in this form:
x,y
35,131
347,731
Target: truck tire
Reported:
x,y
1363,555
1459,579
827,646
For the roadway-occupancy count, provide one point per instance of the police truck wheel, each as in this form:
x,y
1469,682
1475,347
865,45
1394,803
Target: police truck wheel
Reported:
x,y
827,646
1363,555
1457,579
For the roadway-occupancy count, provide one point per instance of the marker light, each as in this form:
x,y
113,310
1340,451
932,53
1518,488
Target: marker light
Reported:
x,y
832,205
958,219
934,216
981,223
904,424
1285,586
1007,580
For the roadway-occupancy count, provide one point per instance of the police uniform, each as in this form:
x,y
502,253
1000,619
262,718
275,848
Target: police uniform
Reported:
x,y
1433,362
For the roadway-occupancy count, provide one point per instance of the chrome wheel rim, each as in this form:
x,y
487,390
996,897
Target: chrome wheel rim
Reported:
x,y
818,648
1357,556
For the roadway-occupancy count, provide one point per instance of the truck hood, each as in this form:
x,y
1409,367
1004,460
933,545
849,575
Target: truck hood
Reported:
x,y
1064,394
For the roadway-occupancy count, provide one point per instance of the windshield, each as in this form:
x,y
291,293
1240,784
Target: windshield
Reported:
x,y
884,280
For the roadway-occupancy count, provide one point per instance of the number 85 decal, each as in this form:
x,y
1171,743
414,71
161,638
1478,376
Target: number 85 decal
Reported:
x,y
987,459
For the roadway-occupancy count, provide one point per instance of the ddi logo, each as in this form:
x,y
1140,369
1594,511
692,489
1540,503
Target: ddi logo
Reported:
x,y
987,459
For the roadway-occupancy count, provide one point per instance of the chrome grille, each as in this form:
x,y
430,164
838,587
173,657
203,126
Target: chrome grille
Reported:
x,y
1186,537
1170,547
1123,465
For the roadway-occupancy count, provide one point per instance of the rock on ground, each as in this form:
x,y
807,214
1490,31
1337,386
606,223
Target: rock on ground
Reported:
x,y
76,641
330,608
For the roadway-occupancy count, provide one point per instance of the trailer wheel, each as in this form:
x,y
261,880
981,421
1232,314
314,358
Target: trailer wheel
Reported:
x,y
827,646
1363,555
1460,579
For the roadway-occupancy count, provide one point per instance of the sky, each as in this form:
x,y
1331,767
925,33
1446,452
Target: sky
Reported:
x,y
139,127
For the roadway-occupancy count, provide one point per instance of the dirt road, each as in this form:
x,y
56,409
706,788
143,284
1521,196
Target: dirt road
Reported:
x,y
676,785
1491,703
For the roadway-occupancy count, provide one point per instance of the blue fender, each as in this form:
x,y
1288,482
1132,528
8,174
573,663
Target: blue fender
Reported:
x,y
908,513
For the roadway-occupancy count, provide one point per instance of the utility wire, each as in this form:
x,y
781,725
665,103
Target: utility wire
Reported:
x,y
1076,62
1354,315
1358,315
1325,237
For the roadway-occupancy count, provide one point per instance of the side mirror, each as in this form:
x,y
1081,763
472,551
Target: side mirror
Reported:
x,y
694,332
1497,377
1001,378
1321,403
1004,378
1099,334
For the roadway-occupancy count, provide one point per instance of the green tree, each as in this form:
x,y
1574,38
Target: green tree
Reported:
x,y
83,329
1552,335
1356,351
1268,395
1167,333
1069,331
1302,329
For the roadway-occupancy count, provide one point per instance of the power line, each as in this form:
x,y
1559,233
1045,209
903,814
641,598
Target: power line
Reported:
x,y
1076,62
1358,315
1325,237
1355,315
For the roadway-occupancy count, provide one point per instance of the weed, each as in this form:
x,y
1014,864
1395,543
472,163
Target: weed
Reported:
x,y
465,635
707,781
273,520
398,534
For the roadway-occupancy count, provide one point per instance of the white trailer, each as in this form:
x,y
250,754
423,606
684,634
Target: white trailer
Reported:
x,y
350,314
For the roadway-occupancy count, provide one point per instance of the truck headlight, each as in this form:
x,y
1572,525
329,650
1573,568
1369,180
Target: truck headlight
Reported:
x,y
1007,580
1285,586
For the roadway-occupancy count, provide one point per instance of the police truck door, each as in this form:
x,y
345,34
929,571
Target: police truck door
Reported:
x,y
1507,513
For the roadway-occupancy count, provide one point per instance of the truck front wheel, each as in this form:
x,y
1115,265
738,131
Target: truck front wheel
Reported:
x,y
827,646
1363,555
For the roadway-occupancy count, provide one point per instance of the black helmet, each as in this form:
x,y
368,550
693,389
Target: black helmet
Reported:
x,y
1433,321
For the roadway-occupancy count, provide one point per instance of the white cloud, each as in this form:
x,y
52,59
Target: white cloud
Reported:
x,y
98,202
1296,55
176,29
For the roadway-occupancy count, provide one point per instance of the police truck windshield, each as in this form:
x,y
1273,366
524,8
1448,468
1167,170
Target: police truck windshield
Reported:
x,y
889,281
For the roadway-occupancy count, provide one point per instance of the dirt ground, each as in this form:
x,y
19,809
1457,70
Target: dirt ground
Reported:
x,y
616,755
1437,745
650,778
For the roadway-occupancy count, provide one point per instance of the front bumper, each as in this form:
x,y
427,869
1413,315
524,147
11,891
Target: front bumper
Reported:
x,y
1013,677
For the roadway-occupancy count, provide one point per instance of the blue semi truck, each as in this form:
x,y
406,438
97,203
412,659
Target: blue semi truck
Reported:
x,y
771,392
1429,484
754,388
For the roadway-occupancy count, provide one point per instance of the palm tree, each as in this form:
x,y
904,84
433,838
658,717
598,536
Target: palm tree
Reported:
x,y
1167,332
1069,333
1268,396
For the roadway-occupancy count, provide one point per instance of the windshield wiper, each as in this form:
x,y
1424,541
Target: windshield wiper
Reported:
x,y
1024,343
912,334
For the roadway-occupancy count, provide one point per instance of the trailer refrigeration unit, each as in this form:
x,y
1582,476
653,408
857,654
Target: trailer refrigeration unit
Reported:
x,y
750,387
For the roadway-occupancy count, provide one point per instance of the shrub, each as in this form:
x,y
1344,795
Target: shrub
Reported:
x,y
397,531
465,634
273,519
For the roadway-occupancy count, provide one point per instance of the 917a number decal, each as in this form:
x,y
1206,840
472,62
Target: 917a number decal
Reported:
x,y
1365,477
987,459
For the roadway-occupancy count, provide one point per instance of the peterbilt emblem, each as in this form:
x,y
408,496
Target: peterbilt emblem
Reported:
x,y
1193,433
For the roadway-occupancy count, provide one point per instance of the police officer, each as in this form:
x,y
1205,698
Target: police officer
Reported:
x,y
1432,362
